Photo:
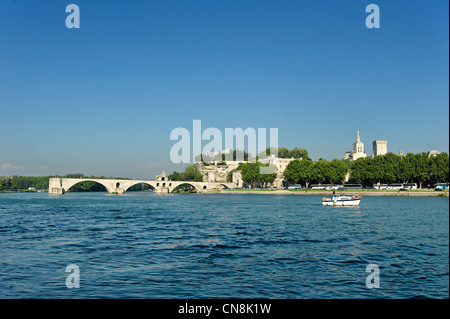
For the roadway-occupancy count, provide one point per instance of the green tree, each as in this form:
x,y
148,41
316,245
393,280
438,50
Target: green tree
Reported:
x,y
191,173
251,174
5,182
405,169
299,171
299,153
322,171
421,166
339,170
391,161
175,176
439,168
359,170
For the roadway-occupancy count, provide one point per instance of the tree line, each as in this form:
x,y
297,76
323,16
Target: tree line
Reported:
x,y
390,168
413,168
321,171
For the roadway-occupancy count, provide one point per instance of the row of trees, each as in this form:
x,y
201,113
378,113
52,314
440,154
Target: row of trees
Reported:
x,y
412,168
321,171
16,183
385,169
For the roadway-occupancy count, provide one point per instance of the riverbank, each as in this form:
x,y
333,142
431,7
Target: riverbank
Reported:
x,y
364,192
415,193
24,191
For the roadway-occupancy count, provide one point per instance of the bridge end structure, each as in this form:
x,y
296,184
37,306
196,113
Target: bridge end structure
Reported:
x,y
55,186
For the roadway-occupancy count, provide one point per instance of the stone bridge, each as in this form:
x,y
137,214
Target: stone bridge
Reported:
x,y
59,186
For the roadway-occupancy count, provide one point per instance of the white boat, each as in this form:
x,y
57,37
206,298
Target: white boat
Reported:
x,y
342,200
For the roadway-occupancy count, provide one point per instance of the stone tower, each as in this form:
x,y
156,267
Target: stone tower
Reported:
x,y
379,147
358,148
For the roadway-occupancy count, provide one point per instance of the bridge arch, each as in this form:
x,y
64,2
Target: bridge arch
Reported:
x,y
68,185
178,184
140,182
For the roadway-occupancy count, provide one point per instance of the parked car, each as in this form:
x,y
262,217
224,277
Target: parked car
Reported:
x,y
440,186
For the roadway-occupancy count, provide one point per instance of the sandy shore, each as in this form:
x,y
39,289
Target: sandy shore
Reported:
x,y
420,193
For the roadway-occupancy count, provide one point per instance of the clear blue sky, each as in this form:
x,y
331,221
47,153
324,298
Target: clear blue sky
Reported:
x,y
104,98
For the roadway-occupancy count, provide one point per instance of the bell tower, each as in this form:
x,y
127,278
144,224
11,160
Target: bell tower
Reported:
x,y
358,148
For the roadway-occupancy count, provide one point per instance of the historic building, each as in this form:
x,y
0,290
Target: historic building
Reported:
x,y
358,150
379,147
218,172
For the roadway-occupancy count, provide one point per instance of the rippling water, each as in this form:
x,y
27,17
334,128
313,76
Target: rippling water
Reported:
x,y
142,245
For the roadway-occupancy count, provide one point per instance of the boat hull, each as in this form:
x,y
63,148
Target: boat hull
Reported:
x,y
351,202
342,200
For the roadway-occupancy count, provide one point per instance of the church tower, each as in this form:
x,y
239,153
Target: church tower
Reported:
x,y
358,148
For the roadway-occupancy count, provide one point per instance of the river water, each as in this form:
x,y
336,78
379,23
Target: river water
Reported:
x,y
141,245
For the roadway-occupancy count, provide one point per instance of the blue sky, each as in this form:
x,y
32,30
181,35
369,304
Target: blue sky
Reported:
x,y
104,98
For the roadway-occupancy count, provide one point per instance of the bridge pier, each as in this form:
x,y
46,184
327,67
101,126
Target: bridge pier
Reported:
x,y
55,186
116,190
162,190
56,191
